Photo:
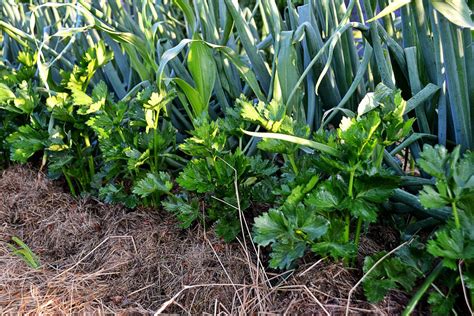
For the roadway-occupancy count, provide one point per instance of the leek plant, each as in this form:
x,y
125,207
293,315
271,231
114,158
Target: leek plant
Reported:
x,y
314,56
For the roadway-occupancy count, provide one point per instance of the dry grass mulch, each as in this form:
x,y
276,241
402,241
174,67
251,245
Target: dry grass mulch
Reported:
x,y
100,259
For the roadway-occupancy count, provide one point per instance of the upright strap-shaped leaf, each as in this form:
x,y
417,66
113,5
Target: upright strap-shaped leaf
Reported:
x,y
203,69
188,13
287,72
245,72
248,43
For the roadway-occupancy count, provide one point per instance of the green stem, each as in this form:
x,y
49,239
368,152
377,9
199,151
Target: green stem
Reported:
x,y
351,184
291,157
122,137
357,234
421,291
69,183
357,237
471,294
379,155
412,166
155,148
347,229
456,215
155,141
347,233
83,171
90,158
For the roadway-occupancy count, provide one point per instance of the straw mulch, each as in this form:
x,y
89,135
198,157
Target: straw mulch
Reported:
x,y
99,259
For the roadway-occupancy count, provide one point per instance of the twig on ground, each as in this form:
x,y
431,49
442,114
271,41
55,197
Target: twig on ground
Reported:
x,y
142,289
92,251
312,266
172,300
464,286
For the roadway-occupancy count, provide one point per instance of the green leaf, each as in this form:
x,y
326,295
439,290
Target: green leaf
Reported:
x,y
456,11
452,245
360,208
375,189
228,228
463,173
299,192
375,291
367,104
196,177
287,72
249,43
186,211
389,274
277,146
153,183
249,112
206,139
193,97
26,142
313,226
433,160
334,249
326,197
296,140
393,6
359,135
101,124
115,194
270,115
430,198
5,93
202,66
270,227
416,256
24,252
185,6
441,305
81,98
289,230
283,255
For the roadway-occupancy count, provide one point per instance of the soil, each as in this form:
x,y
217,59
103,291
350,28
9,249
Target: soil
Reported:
x,y
100,259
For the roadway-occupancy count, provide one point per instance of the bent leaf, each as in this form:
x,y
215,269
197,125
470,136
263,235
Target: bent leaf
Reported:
x,y
296,140
456,11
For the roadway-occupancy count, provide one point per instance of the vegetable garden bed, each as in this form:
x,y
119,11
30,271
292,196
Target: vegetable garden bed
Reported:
x,y
227,156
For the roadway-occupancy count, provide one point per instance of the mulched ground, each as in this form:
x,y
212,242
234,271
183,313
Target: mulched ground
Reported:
x,y
98,258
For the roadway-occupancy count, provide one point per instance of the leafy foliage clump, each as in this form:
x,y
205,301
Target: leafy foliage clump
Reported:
x,y
226,180
451,246
351,184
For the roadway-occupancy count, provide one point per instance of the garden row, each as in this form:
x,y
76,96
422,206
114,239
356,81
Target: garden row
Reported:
x,y
309,121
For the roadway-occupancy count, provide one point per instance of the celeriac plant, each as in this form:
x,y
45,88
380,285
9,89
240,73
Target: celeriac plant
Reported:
x,y
136,141
349,186
56,127
210,177
18,97
448,255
